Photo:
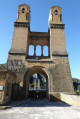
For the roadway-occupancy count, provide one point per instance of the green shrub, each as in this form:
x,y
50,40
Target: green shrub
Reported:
x,y
78,88
77,92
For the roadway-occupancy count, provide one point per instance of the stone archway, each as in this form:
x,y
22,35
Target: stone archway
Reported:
x,y
32,71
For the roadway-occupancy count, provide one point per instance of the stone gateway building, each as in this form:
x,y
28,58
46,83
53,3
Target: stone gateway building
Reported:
x,y
21,65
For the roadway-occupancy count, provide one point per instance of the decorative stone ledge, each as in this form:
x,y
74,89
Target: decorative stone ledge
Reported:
x,y
60,53
39,35
21,24
57,26
39,61
17,51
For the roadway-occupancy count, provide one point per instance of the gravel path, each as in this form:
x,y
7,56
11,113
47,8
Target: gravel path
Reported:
x,y
41,109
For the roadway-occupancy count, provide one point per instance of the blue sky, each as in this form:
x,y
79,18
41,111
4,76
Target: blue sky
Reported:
x,y
39,22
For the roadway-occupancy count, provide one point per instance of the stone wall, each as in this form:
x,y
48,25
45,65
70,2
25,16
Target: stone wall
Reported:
x,y
20,37
62,81
58,69
57,40
16,66
70,99
7,78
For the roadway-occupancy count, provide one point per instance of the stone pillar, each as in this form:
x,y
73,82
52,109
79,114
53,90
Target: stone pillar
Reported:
x,y
41,50
34,83
38,83
27,52
34,50
48,51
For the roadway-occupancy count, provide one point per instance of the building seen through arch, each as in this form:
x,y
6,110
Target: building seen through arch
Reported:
x,y
37,82
35,56
37,86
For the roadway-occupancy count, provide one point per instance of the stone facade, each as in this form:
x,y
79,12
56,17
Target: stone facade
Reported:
x,y
7,78
55,67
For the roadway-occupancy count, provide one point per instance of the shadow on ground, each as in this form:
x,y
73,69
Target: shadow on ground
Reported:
x,y
40,102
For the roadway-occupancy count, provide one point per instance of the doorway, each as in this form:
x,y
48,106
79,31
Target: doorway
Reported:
x,y
36,83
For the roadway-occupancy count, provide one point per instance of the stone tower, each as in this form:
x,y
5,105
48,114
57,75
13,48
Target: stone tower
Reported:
x,y
56,27
21,29
55,67
58,53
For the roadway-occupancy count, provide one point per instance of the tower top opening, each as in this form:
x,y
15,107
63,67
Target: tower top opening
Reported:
x,y
55,16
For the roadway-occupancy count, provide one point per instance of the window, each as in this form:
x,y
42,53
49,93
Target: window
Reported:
x,y
38,50
23,10
45,50
56,12
31,50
